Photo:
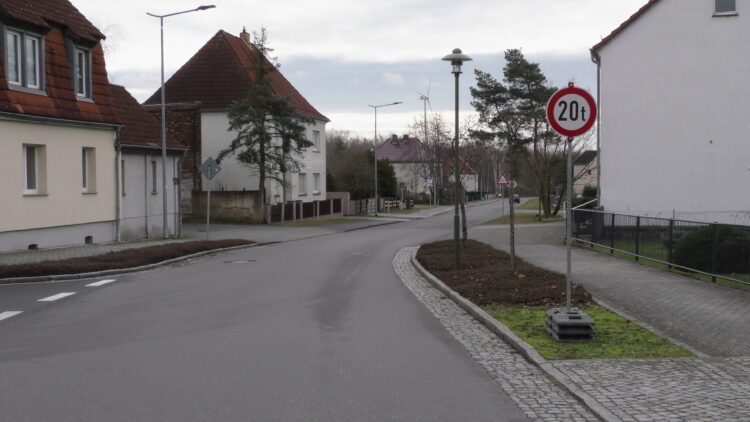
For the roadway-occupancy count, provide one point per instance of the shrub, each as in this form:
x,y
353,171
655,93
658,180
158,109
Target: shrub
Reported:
x,y
695,249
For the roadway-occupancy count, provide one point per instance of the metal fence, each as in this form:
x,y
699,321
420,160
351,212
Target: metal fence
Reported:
x,y
714,250
298,210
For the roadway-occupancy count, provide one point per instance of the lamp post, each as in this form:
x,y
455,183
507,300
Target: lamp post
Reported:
x,y
165,224
457,59
375,150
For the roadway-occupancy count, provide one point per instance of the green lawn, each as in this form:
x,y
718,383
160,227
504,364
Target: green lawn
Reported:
x,y
526,219
531,204
312,222
615,337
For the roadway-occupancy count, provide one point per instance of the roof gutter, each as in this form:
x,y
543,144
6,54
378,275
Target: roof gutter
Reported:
x,y
25,118
597,59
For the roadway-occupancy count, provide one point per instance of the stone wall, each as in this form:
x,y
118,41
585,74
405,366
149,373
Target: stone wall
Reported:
x,y
229,206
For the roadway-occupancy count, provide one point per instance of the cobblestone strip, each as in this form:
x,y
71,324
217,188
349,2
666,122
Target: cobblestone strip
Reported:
x,y
670,390
526,384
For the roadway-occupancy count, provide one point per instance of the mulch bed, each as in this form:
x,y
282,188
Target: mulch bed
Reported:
x,y
486,277
128,258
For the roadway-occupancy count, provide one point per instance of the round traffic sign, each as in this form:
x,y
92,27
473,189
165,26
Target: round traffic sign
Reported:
x,y
571,111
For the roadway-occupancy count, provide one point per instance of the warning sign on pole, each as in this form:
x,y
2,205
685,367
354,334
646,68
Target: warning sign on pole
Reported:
x,y
503,180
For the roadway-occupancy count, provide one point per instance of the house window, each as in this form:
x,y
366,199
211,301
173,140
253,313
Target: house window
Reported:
x,y
88,170
726,7
153,178
33,163
316,140
302,184
23,59
316,183
82,72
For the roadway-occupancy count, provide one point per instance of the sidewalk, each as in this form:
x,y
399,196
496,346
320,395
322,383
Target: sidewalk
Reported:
x,y
191,232
711,318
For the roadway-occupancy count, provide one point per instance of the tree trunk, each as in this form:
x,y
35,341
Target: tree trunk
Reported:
x,y
464,229
262,179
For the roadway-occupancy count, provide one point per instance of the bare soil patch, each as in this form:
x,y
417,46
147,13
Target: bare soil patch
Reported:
x,y
129,258
486,278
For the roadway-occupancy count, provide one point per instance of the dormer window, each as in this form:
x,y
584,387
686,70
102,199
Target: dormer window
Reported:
x,y
82,72
725,8
23,58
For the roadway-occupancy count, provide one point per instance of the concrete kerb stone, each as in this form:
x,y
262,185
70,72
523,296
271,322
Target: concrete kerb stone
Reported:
x,y
509,337
65,277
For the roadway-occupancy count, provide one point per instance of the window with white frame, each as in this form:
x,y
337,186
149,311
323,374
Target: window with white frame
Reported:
x,y
33,169
316,140
88,170
82,72
303,184
316,183
726,7
23,59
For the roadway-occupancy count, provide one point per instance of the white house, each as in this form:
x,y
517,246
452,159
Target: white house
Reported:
x,y
585,171
674,80
58,129
216,76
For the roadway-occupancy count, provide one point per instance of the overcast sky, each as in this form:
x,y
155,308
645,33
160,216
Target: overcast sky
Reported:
x,y
343,55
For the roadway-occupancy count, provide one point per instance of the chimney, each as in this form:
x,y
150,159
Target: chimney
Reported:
x,y
245,36
406,137
394,139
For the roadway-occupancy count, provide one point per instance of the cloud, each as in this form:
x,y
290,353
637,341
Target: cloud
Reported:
x,y
393,78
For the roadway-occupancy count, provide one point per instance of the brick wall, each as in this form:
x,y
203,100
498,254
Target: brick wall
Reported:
x,y
184,124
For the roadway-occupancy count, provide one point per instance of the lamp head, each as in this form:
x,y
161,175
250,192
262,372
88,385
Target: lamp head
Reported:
x,y
457,58
210,6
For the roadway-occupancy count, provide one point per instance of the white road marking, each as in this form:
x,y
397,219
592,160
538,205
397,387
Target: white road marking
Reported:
x,y
56,297
8,314
100,283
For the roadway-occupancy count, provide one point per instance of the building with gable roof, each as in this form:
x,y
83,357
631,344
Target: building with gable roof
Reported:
x,y
215,77
140,207
673,112
58,129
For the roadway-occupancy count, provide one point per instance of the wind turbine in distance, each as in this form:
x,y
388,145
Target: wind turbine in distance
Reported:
x,y
426,100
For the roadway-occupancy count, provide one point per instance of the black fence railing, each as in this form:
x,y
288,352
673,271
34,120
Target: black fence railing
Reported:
x,y
298,210
715,250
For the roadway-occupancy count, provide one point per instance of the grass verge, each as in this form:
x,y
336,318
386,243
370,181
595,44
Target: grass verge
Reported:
x,y
531,204
312,222
129,258
616,337
526,219
519,300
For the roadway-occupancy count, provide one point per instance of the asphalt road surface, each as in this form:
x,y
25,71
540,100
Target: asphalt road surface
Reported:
x,y
314,330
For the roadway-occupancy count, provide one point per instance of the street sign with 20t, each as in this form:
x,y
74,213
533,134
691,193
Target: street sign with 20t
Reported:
x,y
571,111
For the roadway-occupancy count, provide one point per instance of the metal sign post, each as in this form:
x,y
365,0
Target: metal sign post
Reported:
x,y
209,168
571,112
502,181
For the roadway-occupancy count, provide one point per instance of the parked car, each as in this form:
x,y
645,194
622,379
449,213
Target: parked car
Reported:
x,y
516,199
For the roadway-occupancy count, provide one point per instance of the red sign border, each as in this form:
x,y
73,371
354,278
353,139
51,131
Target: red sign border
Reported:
x,y
571,89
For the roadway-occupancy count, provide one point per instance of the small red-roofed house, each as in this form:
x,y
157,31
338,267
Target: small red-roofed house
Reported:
x,y
219,74
140,171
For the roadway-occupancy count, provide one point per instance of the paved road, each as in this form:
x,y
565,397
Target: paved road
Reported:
x,y
319,329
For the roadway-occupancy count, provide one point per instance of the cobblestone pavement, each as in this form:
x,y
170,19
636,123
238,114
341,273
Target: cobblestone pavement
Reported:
x,y
539,397
667,390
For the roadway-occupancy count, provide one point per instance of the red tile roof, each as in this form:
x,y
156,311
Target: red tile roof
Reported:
x,y
624,25
43,13
218,74
140,128
465,168
60,100
400,150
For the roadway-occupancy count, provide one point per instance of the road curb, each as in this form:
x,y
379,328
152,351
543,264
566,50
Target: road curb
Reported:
x,y
65,277
514,341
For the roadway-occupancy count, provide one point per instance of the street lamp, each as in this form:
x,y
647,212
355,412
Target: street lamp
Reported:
x,y
375,150
457,59
165,225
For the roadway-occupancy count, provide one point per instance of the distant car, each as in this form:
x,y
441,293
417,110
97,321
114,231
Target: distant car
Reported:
x,y
516,199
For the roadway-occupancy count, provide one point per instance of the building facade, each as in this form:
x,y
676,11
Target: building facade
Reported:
x,y
673,87
215,77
